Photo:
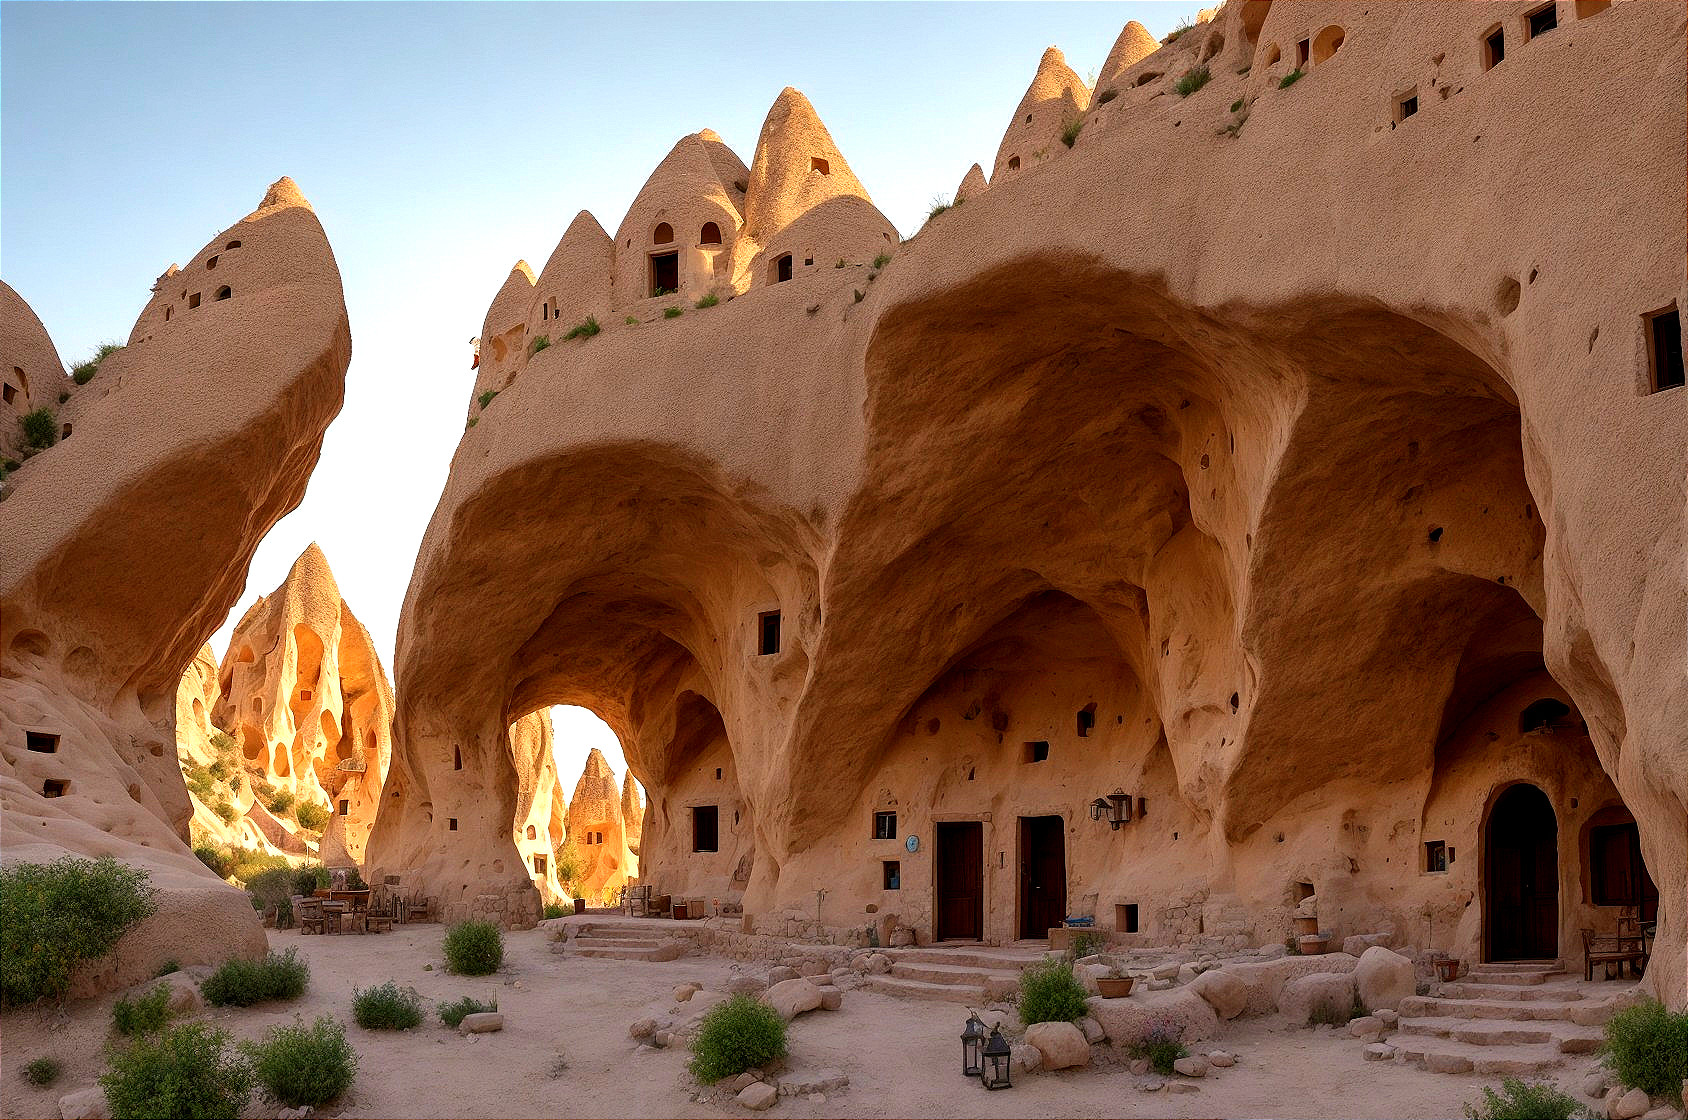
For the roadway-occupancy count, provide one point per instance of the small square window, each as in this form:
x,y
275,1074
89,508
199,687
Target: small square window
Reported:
x,y
1435,856
40,742
768,632
1406,105
1494,47
1664,348
884,826
54,787
1086,721
9,393
451,824
193,301
893,870
1125,917
539,865
1302,53
1038,751
717,773
1543,20
345,807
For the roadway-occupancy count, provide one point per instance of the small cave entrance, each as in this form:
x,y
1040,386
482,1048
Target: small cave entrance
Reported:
x,y
1521,860
665,273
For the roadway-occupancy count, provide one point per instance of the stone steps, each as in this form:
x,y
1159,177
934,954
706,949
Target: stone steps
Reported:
x,y
1584,1013
646,953
1502,1060
595,942
960,974
1509,978
998,959
1470,990
1520,966
971,994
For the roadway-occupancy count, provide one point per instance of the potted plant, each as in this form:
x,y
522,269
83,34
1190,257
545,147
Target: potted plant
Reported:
x,y
1312,944
1115,985
1447,968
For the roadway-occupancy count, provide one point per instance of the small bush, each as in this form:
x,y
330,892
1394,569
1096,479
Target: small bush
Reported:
x,y
1332,1014
1070,131
1084,943
538,344
1290,78
282,802
584,329
42,1071
387,1008
1106,96
1518,1101
473,420
1192,81
143,1014
486,398
303,1065
1183,26
242,983
183,1072
272,886
1647,1047
1050,993
225,811
938,206
631,320
882,260
83,372
1162,1045
165,969
1292,947
1236,105
308,877
709,300
56,916
217,859
312,816
673,312
40,428
474,948
558,909
452,1014
740,1034
284,914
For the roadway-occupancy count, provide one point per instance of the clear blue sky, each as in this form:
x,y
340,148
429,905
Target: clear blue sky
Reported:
x,y
439,143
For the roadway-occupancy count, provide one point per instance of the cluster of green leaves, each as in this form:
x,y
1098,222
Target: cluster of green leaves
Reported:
x,y
673,312
312,816
451,1014
539,343
938,206
1162,1044
1070,131
882,260
570,865
144,1014
1185,25
1050,993
242,983
558,909
282,802
1192,80
56,916
302,1065
83,372
486,398
40,428
1290,78
1647,1047
1084,943
245,864
474,948
387,1007
710,299
742,1033
42,1071
1520,1101
309,877
185,1072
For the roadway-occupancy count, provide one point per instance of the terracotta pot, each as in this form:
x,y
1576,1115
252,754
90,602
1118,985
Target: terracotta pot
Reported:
x,y
1306,926
580,906
1114,987
1312,945
1447,968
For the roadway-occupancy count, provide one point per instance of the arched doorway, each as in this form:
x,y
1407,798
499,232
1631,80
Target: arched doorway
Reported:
x,y
1521,858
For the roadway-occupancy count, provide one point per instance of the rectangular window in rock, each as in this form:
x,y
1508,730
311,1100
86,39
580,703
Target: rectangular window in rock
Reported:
x,y
539,865
1494,47
1125,917
893,871
1664,348
40,742
55,787
1435,856
768,632
706,828
884,826
1037,751
1543,19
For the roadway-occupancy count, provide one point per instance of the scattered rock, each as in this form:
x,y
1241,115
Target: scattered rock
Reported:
x,y
758,1097
1154,1085
1629,1106
1384,978
1139,1066
831,998
1187,973
743,1081
878,963
1387,1017
1365,1025
1357,944
1159,985
812,969
780,975
902,937
642,1029
1380,1052
1663,1112
1166,971
1182,1087
1595,1085
1221,1059
1226,991
1059,1045
1024,1058
817,1081
684,992
793,997
816,1098
747,986
482,1022
300,1113
1093,1032
1193,1066
84,1104
1270,952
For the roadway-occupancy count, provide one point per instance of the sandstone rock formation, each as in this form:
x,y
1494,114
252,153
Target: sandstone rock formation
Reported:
x,y
541,821
127,544
32,377
596,829
1279,468
632,812
302,691
219,789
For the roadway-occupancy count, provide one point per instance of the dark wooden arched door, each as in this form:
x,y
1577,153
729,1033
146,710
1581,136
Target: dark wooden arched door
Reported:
x,y
1521,850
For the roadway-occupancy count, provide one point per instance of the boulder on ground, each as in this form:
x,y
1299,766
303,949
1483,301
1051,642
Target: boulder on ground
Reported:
x,y
1193,1066
815,1081
1059,1045
1629,1106
759,1097
184,993
1383,978
878,963
1365,1026
793,997
1330,993
746,986
482,1022
84,1104
1024,1057
831,998
1126,1021
1222,1059
1226,991
642,1029
1379,1052
1358,943
684,992
1093,1032
781,975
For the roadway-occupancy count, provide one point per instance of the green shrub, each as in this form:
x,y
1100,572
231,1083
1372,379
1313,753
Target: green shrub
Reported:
x,y
183,1072
83,372
631,320
42,1071
1329,1013
165,969
284,914
1647,1047
224,743
1518,1101
1106,96
1290,78
586,328
673,312
570,865
56,916
303,1065
882,260
473,420
486,398
453,1013
247,864
709,300
144,1014
40,428
1050,993
225,810
312,816
1162,1044
307,878
558,909
938,206
1192,81
538,344
1070,131
474,948
740,1034
282,802
271,886
1084,943
217,859
387,1008
242,983
1184,25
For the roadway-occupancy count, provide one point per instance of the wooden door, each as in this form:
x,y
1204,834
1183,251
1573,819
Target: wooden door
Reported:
x,y
1521,904
960,881
1043,875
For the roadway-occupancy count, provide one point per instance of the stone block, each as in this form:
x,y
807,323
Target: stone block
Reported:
x,y
758,1097
1193,1066
793,997
1059,1045
1224,990
84,1104
1383,978
482,1022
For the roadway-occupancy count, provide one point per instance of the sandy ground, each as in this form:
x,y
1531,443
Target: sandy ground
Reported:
x,y
902,1056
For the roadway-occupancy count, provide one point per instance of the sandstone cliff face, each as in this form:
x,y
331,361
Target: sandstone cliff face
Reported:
x,y
1257,473
303,693
121,558
541,813
595,826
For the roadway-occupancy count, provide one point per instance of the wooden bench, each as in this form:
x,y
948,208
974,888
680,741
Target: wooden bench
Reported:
x,y
1613,949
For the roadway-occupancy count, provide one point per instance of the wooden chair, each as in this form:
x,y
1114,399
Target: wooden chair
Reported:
x,y
378,921
418,909
310,915
1609,950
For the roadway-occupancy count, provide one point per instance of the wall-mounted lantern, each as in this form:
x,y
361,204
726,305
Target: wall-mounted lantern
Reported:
x,y
1114,808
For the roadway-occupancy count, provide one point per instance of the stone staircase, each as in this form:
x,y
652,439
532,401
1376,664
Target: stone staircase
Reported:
x,y
1502,1020
967,975
623,942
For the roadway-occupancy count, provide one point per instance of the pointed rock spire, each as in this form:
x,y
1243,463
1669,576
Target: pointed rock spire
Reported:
x,y
1133,46
284,192
575,282
1056,97
683,222
972,184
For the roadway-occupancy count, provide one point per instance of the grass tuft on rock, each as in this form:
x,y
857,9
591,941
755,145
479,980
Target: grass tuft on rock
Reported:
x,y
1070,131
586,328
83,372
40,428
1162,1044
1192,80
1050,993
742,1033
474,948
710,299
1291,78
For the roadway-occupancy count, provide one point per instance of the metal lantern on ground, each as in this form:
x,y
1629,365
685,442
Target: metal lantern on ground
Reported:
x,y
973,1047
998,1056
